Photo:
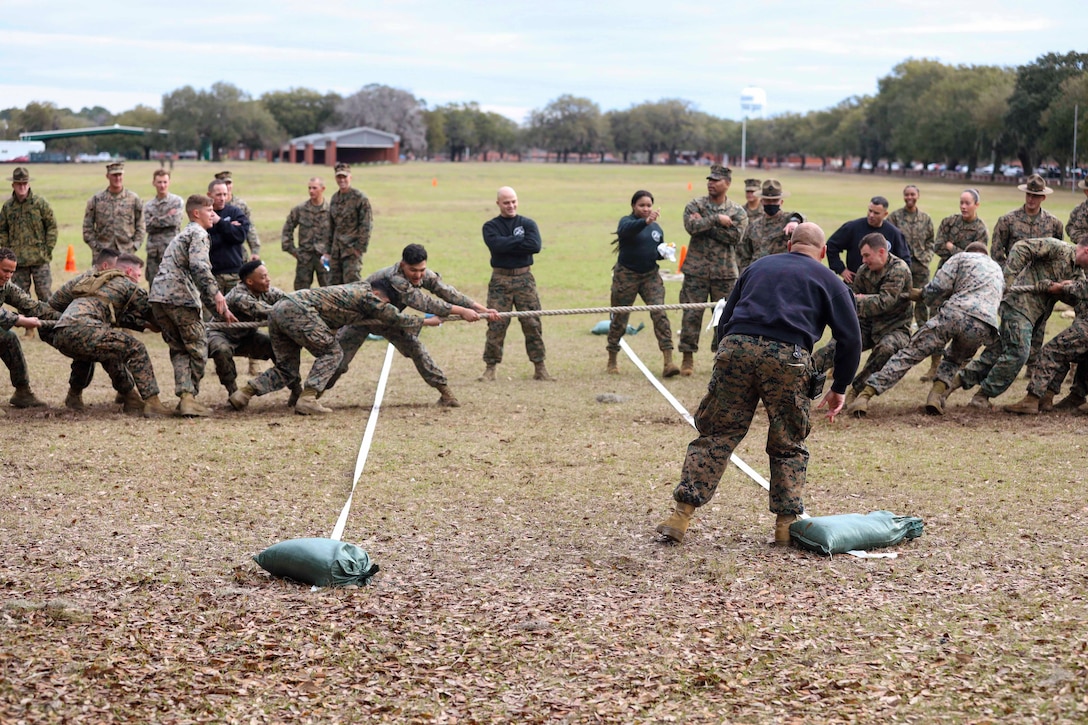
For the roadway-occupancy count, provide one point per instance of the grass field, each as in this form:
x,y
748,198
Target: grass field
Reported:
x,y
521,577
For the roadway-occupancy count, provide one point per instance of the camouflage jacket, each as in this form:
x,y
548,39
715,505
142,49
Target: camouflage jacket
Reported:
x,y
249,307
765,235
1017,225
1077,228
1038,262
968,284
252,239
753,214
883,298
185,274
163,219
351,221
954,229
12,294
405,294
29,229
313,224
917,229
114,221
712,251
349,304
116,300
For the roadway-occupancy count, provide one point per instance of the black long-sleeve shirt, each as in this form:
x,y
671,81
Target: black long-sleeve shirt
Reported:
x,y
792,298
638,243
226,240
512,240
847,238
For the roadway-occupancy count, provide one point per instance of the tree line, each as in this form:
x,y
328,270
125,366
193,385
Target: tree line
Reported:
x,y
923,111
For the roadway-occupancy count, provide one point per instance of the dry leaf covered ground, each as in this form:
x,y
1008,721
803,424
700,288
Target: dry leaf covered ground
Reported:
x,y
521,577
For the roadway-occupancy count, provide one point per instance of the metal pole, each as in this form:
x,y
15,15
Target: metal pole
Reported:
x,y
1073,180
743,140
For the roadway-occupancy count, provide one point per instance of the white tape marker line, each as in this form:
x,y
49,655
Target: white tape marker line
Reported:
x,y
734,459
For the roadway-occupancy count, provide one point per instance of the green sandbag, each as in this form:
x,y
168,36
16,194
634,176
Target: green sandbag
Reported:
x,y
322,562
601,328
854,532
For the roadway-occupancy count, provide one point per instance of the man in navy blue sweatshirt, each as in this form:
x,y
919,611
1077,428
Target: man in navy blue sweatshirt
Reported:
x,y
847,238
775,314
226,237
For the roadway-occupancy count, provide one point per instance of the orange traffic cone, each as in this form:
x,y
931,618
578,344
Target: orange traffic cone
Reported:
x,y
683,256
689,186
70,262
434,182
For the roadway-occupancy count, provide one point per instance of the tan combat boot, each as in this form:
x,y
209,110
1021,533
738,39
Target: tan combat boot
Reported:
x,y
488,375
448,399
74,400
190,407
935,401
934,363
677,523
860,407
239,399
541,372
851,396
254,367
1070,402
1046,403
153,408
307,404
1028,406
782,529
613,367
24,398
134,404
980,401
670,371
687,364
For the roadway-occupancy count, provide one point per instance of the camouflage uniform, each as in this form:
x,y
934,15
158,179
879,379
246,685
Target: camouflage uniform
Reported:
x,y
29,229
85,331
513,287
114,221
408,344
163,219
184,279
82,371
252,239
11,352
917,229
1035,262
225,344
307,319
961,233
1068,346
966,293
351,221
883,302
710,267
765,235
626,285
1077,228
1017,225
313,224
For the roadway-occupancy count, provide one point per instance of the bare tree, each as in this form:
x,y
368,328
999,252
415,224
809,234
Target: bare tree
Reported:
x,y
386,109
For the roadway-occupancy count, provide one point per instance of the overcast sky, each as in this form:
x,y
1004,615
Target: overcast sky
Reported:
x,y
511,57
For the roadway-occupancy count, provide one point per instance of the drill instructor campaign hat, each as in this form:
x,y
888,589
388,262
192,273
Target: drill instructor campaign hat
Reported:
x,y
1035,185
20,175
772,189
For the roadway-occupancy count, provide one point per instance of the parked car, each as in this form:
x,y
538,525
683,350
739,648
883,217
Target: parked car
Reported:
x,y
987,169
1012,171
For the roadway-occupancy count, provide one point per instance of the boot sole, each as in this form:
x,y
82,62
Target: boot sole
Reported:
x,y
670,533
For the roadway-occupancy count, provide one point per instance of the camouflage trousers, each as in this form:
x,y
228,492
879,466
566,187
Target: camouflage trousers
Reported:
x,y
123,357
40,275
156,246
222,349
882,351
82,371
999,364
184,332
227,281
626,285
307,266
352,337
747,370
506,293
962,334
1068,346
11,352
919,276
291,327
345,266
699,289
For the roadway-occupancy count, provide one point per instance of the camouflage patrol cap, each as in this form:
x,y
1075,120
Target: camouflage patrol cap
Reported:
x,y
1035,185
118,167
720,173
20,175
751,184
343,169
772,189
223,176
